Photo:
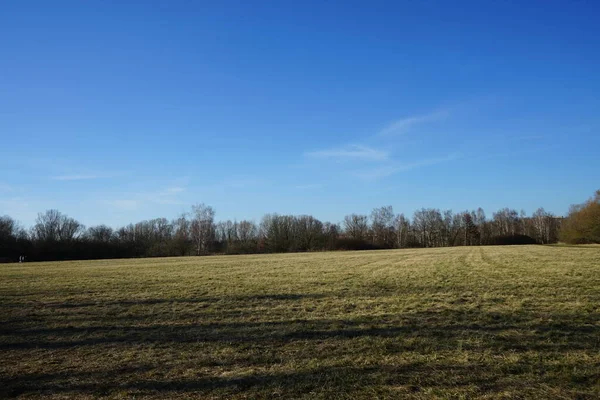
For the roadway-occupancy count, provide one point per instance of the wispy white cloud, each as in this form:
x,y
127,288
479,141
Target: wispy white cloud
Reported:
x,y
403,125
363,152
350,152
383,162
388,170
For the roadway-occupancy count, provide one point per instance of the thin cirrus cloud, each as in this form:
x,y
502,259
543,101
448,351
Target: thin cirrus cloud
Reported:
x,y
351,152
403,125
360,152
383,162
389,170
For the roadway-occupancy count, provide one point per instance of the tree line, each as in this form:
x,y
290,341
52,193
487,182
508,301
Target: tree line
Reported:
x,y
56,236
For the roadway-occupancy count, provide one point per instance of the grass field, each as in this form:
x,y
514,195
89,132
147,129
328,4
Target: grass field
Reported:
x,y
470,322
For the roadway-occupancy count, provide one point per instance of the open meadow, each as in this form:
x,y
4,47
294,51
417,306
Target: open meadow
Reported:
x,y
463,322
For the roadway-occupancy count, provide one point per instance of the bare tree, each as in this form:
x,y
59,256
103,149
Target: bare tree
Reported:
x,y
382,225
450,228
543,222
162,229
506,222
182,234
202,227
47,226
430,227
482,226
7,227
278,232
231,231
332,233
356,226
55,226
402,225
247,231
420,225
247,236
470,230
221,232
100,233
309,233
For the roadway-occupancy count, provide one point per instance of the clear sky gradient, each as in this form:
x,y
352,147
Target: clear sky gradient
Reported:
x,y
118,111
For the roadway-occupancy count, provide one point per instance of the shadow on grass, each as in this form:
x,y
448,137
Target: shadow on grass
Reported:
x,y
338,380
446,329
424,332
196,300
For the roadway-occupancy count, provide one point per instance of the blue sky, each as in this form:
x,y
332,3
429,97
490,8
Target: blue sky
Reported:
x,y
118,111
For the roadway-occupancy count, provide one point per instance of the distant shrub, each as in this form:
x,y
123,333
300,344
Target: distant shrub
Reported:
x,y
582,226
354,244
512,240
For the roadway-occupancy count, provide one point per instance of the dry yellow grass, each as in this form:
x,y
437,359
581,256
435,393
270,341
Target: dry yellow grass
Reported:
x,y
476,322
